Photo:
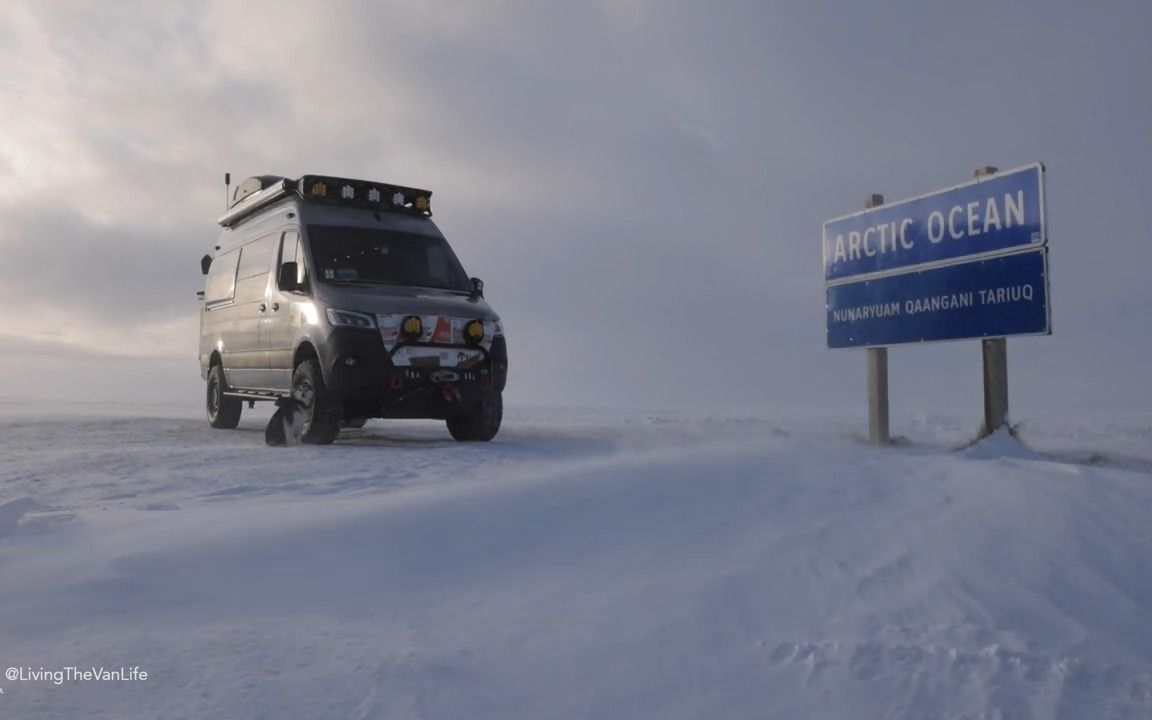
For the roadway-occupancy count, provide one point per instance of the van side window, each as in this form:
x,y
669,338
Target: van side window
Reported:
x,y
256,258
221,283
290,252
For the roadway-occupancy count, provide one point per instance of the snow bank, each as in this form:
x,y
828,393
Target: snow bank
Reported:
x,y
999,444
612,567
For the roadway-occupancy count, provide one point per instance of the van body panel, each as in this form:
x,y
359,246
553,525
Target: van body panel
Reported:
x,y
244,358
280,329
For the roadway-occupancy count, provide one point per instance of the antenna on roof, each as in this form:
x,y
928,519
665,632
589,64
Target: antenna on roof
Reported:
x,y
227,183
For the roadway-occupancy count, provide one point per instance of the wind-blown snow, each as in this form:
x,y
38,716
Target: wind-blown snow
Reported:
x,y
580,566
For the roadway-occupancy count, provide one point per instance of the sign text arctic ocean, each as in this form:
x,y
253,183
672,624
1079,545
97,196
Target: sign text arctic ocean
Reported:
x,y
984,217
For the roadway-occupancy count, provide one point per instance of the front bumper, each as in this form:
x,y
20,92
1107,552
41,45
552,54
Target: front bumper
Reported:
x,y
359,371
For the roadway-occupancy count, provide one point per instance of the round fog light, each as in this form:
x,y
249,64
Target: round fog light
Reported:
x,y
474,332
412,326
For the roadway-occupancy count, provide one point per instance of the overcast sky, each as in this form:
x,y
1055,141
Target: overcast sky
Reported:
x,y
640,184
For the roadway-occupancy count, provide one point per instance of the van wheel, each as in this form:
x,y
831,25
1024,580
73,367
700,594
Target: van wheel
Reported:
x,y
223,411
479,423
319,410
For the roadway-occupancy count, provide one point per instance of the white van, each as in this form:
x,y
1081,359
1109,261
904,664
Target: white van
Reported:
x,y
344,295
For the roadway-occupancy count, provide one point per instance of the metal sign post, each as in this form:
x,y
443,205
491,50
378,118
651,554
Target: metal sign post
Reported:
x,y
995,355
878,428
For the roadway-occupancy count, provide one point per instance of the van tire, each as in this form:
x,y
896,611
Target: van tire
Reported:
x,y
479,423
223,410
320,410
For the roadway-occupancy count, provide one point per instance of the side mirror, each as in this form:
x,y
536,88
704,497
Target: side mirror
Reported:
x,y
477,287
205,263
287,280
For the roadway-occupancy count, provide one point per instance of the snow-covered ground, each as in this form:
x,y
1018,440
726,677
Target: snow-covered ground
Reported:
x,y
583,565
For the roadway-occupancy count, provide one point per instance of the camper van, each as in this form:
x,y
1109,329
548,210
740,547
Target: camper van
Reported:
x,y
343,298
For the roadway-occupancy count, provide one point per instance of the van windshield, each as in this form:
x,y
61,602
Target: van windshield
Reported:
x,y
384,257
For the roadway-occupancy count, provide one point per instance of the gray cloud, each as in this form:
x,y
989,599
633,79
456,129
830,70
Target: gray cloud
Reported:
x,y
54,253
115,289
641,184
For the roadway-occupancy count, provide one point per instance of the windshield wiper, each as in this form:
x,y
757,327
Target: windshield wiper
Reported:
x,y
359,282
396,284
441,287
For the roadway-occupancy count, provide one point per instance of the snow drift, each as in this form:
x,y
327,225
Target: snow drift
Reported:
x,y
578,567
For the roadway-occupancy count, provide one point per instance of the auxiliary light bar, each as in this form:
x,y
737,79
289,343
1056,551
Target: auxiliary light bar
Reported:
x,y
364,194
341,192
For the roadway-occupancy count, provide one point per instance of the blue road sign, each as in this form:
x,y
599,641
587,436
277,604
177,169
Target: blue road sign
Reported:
x,y
982,218
993,297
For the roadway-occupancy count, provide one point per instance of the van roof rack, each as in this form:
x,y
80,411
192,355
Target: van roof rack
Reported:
x,y
262,190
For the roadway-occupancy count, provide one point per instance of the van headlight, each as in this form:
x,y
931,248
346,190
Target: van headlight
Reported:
x,y
350,318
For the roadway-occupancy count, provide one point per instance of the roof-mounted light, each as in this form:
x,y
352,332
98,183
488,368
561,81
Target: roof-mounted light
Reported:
x,y
364,194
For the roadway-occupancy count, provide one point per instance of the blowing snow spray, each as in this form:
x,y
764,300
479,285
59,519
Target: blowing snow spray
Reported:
x,y
287,423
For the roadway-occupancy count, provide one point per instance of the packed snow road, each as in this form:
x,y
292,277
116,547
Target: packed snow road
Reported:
x,y
580,566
